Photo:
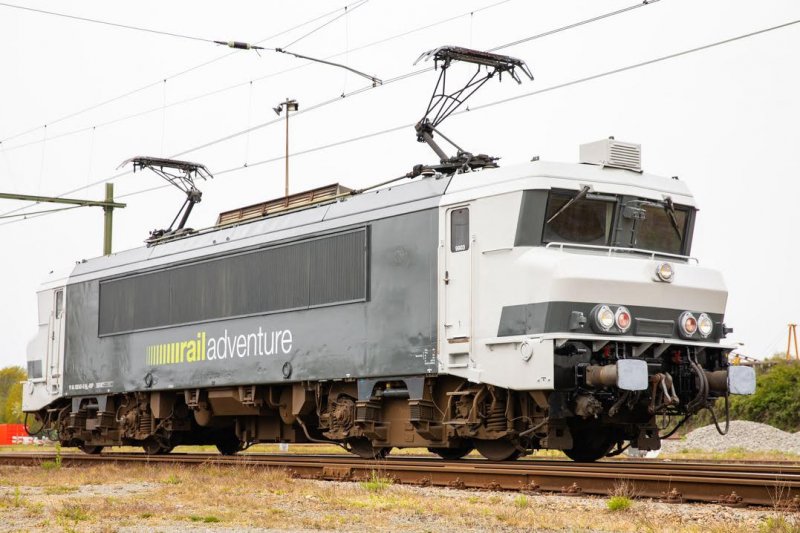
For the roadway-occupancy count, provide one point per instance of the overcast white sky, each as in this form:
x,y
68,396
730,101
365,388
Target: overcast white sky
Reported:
x,y
725,120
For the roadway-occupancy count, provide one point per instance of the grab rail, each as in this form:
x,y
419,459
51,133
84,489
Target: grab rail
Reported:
x,y
620,249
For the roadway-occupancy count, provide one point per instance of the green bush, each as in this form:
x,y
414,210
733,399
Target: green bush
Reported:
x,y
11,394
619,503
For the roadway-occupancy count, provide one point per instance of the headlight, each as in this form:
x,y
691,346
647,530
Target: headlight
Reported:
x,y
604,318
664,272
705,325
623,319
688,324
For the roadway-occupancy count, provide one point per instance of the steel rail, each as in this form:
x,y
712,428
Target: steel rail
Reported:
x,y
753,484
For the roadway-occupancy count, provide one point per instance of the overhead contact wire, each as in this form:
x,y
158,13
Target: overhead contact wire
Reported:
x,y
306,110
156,83
322,104
106,23
226,88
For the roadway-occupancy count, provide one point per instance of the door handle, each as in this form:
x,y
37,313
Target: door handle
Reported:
x,y
446,277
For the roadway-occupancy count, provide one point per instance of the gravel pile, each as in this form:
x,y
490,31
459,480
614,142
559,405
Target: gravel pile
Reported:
x,y
742,435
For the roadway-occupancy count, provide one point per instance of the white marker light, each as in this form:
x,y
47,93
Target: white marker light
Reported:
x,y
605,318
705,325
665,272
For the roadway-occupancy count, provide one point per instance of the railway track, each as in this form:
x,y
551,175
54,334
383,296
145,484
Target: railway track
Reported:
x,y
730,484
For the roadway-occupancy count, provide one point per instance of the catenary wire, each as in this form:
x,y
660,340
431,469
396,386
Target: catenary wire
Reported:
x,y
302,111
575,25
41,213
578,81
245,83
106,23
323,25
170,77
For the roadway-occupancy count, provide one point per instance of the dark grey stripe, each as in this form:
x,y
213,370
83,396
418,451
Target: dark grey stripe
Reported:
x,y
547,317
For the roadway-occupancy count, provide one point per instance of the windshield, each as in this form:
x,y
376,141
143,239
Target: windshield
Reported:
x,y
656,231
586,220
601,219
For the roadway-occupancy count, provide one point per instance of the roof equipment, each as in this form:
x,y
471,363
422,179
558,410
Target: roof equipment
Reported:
x,y
284,203
183,179
444,102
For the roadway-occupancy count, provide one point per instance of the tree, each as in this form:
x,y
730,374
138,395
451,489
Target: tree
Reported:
x,y
11,394
12,412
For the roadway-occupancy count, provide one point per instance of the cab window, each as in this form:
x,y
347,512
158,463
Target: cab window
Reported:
x,y
59,304
660,233
574,219
459,230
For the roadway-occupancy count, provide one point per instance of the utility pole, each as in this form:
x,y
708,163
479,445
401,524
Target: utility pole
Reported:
x,y
108,206
792,334
287,105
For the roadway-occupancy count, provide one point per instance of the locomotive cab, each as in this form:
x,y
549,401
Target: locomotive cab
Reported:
x,y
582,291
45,352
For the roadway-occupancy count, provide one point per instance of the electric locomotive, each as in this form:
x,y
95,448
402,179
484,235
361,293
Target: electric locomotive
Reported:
x,y
503,309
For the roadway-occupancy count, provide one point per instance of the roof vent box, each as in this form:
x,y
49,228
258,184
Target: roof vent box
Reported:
x,y
612,153
292,202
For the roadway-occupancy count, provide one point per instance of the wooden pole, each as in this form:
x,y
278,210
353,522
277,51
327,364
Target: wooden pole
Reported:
x,y
792,334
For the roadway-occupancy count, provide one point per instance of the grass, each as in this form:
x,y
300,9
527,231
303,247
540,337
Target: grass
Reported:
x,y
376,483
74,512
521,502
119,496
619,503
172,479
778,524
60,489
210,519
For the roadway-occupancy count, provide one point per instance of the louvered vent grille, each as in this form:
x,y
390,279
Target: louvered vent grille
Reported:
x,y
612,153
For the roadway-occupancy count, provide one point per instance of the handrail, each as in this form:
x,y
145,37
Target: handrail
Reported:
x,y
621,249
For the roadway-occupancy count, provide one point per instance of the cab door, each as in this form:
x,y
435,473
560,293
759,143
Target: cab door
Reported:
x,y
55,345
458,281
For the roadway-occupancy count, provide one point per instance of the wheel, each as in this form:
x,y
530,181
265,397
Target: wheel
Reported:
x,y
90,450
589,445
363,448
497,449
153,447
229,444
451,454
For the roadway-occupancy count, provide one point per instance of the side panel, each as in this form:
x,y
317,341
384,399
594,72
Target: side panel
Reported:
x,y
393,332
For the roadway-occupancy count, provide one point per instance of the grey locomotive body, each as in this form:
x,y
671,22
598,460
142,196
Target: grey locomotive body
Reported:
x,y
538,306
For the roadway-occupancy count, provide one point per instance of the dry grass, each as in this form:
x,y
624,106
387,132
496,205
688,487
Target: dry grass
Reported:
x,y
108,497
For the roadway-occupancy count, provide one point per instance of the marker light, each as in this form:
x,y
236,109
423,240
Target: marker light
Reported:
x,y
664,272
605,318
623,319
688,324
705,325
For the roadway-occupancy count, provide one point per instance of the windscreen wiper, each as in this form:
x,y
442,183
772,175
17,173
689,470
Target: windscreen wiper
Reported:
x,y
669,207
581,194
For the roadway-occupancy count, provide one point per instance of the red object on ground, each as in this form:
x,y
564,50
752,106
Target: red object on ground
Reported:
x,y
8,431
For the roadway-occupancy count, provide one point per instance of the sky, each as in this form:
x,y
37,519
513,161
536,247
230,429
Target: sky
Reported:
x,y
725,119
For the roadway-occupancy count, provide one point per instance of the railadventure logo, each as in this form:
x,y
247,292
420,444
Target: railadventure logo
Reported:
x,y
203,348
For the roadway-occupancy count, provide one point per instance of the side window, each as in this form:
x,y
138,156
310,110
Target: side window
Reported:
x,y
459,230
59,304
